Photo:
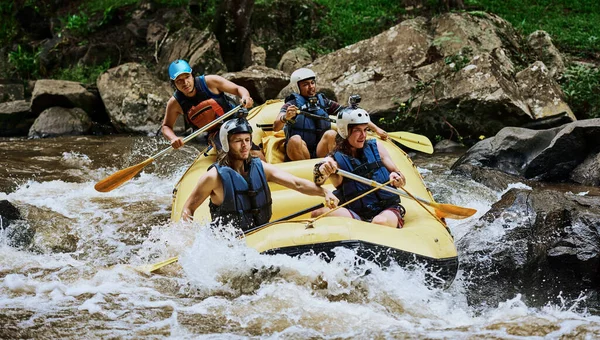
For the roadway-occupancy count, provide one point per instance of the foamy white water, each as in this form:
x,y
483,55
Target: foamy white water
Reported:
x,y
222,289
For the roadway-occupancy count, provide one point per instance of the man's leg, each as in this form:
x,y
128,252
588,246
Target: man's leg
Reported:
x,y
390,217
326,144
296,149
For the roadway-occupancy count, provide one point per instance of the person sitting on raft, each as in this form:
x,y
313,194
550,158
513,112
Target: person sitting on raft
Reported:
x,y
368,158
307,136
237,182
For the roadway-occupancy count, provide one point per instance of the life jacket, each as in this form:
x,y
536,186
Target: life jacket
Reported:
x,y
370,166
204,107
310,129
246,201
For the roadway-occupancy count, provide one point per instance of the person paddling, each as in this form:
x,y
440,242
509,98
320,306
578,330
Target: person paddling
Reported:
x,y
200,100
368,158
237,182
308,136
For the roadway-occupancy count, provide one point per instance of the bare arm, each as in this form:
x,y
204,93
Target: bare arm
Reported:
x,y
217,84
395,174
379,131
306,187
207,185
288,111
172,111
328,169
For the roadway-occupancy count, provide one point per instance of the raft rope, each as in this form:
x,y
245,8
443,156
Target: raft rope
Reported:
x,y
312,220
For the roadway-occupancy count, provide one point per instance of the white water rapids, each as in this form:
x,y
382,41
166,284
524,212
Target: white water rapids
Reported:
x,y
220,288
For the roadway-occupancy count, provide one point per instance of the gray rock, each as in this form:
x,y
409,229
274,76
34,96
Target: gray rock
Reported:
x,y
262,82
59,121
15,118
541,43
134,98
294,59
11,92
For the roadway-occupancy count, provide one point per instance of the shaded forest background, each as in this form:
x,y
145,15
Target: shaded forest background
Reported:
x,y
27,27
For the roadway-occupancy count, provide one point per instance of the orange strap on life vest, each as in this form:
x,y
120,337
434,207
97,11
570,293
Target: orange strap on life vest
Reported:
x,y
205,112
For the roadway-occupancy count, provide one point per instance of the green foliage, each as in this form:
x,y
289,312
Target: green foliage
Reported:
x,y
351,21
25,63
78,23
8,24
83,74
573,24
581,85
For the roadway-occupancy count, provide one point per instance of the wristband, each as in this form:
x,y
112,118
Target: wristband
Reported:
x,y
317,175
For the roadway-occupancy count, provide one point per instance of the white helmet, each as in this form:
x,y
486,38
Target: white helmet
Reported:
x,y
300,75
350,116
231,127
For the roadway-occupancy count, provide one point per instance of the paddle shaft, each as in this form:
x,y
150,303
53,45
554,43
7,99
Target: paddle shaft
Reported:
x,y
199,131
374,184
285,218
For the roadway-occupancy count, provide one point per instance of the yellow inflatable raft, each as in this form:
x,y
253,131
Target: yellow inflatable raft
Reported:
x,y
424,238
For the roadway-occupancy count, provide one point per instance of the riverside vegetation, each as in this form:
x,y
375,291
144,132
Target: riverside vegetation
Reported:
x,y
321,26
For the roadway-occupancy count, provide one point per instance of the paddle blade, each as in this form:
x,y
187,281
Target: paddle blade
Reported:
x,y
115,180
452,211
412,140
150,268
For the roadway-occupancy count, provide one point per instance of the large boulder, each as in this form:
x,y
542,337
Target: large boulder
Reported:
x,y
59,121
48,93
455,73
199,48
541,44
134,98
15,118
556,254
294,59
548,155
262,82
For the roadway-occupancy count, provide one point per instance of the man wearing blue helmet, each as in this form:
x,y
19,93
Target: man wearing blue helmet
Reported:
x,y
200,100
237,182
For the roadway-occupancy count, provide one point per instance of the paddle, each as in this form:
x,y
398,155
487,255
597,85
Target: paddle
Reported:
x,y
443,210
149,268
412,140
115,180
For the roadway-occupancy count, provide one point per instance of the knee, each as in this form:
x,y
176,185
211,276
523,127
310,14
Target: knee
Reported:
x,y
382,220
295,141
329,135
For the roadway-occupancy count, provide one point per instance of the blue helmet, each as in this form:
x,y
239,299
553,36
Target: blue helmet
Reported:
x,y
178,67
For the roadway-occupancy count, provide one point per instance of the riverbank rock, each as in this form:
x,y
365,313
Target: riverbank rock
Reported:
x,y
8,214
59,121
11,92
555,255
456,72
544,155
199,48
134,98
15,118
49,93
262,82
294,59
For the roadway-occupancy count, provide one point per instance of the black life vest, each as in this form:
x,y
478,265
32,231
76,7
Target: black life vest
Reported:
x,y
246,201
368,165
310,129
203,107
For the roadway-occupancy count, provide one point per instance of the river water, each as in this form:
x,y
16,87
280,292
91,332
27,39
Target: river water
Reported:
x,y
219,288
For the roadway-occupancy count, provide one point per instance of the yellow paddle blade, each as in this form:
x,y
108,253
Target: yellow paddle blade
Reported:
x,y
115,180
412,140
452,211
150,268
